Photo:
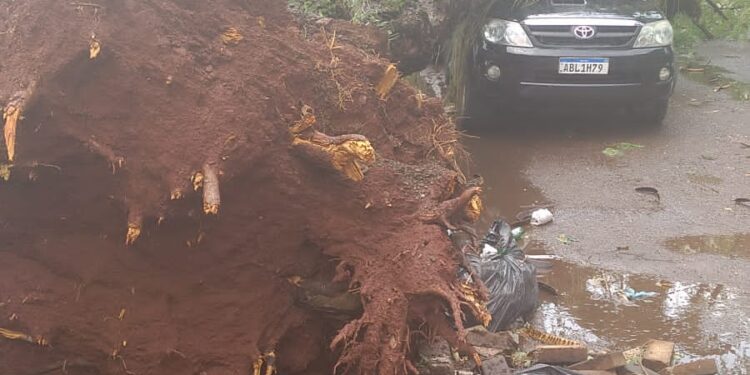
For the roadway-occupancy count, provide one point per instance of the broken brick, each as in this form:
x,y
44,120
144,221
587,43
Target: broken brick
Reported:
x,y
560,354
657,354
705,366
602,362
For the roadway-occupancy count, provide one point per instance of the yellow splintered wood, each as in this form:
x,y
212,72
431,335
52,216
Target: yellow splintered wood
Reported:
x,y
387,82
20,336
95,46
231,36
134,231
347,156
470,294
474,209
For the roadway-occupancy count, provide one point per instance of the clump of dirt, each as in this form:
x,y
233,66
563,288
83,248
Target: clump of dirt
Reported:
x,y
129,108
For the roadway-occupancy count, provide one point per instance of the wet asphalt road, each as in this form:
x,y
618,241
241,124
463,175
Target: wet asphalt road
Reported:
x,y
696,160
691,246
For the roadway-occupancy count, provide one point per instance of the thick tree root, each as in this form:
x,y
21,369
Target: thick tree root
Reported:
x,y
446,213
211,195
116,162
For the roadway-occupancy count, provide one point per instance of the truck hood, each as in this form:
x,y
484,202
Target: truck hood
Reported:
x,y
640,10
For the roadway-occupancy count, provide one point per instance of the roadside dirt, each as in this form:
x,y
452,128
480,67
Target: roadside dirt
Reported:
x,y
184,86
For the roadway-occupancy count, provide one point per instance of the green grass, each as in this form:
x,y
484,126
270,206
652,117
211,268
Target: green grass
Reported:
x,y
687,35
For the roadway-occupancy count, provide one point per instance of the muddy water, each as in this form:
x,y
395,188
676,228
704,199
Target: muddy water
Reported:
x,y
736,245
702,319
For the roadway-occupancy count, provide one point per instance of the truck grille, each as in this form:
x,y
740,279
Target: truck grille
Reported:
x,y
563,36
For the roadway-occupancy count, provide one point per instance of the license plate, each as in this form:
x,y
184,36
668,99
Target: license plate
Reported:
x,y
580,65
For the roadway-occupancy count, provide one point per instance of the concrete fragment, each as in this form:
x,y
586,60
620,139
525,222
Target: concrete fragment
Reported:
x,y
560,354
480,336
657,354
705,366
496,366
436,359
635,369
487,352
602,362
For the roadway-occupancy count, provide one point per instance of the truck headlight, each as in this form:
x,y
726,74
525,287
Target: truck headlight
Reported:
x,y
655,34
507,33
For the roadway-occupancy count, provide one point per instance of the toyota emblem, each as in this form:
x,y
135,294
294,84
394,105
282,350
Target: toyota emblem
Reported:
x,y
584,32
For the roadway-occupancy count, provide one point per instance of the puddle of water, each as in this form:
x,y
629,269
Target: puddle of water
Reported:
x,y
701,319
727,245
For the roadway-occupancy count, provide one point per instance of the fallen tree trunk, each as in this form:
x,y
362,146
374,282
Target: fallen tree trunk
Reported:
x,y
129,120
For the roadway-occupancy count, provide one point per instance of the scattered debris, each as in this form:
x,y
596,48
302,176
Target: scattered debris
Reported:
x,y
546,338
566,239
705,366
510,281
650,191
619,149
560,354
602,362
95,46
541,216
657,354
633,295
743,202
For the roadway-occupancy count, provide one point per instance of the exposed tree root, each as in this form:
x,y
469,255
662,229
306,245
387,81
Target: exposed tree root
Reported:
x,y
211,196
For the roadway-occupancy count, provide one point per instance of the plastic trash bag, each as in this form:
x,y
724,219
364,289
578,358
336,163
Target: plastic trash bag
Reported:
x,y
509,278
546,370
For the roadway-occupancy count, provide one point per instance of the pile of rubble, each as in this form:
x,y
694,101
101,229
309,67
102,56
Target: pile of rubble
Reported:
x,y
531,352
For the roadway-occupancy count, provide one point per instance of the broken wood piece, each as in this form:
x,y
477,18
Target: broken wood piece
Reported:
x,y
602,362
197,180
560,354
547,338
176,194
387,82
95,46
211,194
345,153
657,354
135,226
12,114
705,366
473,210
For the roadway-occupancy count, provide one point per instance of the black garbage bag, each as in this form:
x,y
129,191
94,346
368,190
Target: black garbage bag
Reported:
x,y
546,370
509,278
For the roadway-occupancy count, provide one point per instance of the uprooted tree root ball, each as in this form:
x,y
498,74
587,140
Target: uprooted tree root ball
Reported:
x,y
201,187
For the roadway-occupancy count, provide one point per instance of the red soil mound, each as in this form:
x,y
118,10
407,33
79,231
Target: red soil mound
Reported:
x,y
177,85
